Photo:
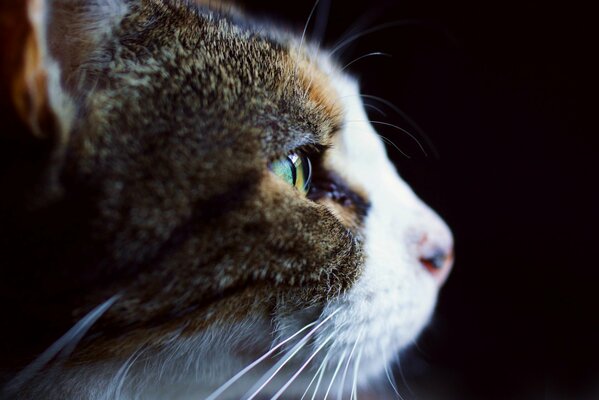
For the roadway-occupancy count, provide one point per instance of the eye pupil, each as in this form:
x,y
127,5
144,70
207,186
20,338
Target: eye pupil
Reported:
x,y
294,169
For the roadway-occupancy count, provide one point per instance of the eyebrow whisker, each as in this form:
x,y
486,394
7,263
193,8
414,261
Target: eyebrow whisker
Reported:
x,y
374,53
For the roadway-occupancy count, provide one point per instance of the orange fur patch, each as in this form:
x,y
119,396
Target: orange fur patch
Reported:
x,y
347,215
24,74
319,90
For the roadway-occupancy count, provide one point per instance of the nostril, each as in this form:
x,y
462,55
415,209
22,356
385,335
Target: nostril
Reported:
x,y
435,261
435,253
438,262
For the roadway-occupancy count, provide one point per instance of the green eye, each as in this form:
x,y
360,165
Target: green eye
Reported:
x,y
294,169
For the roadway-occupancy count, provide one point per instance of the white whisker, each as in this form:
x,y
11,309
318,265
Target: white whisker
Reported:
x,y
351,354
389,378
374,53
335,374
316,374
390,142
299,371
362,22
62,347
409,120
324,367
419,348
320,25
369,31
270,374
121,374
403,378
400,129
308,22
237,376
375,108
302,43
354,390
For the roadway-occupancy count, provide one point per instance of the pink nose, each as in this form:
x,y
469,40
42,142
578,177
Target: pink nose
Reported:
x,y
436,256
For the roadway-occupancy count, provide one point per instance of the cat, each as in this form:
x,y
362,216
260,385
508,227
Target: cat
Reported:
x,y
200,202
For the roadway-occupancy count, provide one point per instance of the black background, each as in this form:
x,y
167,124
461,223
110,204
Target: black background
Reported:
x,y
499,88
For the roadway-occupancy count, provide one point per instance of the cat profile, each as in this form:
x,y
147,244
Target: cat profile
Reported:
x,y
200,202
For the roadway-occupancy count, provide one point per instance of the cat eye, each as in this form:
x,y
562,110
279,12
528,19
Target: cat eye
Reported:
x,y
295,169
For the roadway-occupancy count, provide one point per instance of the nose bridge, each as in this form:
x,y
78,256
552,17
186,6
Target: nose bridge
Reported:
x,y
411,212
435,230
426,234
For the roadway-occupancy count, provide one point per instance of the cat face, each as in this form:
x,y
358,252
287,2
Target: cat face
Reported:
x,y
173,198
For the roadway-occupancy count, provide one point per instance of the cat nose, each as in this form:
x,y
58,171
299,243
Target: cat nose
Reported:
x,y
436,255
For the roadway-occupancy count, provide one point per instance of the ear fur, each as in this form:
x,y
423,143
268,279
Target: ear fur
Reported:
x,y
29,77
44,43
77,30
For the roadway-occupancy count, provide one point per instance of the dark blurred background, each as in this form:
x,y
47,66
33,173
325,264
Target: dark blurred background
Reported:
x,y
500,89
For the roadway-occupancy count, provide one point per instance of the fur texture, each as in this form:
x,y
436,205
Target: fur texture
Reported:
x,y
151,188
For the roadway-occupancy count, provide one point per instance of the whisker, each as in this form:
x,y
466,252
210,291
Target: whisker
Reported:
x,y
443,32
391,381
67,342
403,115
301,45
325,362
389,141
374,53
270,374
335,373
403,378
407,118
121,374
309,85
418,347
398,128
341,387
320,26
375,108
377,28
299,371
318,371
308,22
354,390
237,376
362,22
402,130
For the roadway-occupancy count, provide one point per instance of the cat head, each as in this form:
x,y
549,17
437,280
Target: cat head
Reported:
x,y
204,187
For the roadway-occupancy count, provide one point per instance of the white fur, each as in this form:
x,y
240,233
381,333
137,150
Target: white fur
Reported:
x,y
395,296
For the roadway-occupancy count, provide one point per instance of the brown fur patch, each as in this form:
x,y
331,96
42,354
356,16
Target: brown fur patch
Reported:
x,y
167,197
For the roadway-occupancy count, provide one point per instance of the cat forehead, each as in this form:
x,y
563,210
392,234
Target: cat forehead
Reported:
x,y
219,66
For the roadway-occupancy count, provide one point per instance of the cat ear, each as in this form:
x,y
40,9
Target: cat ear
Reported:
x,y
31,95
44,44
